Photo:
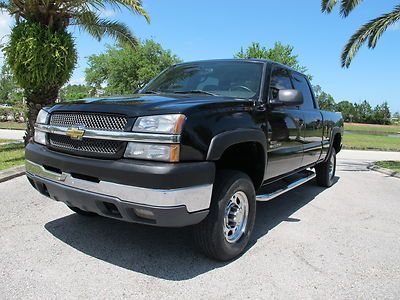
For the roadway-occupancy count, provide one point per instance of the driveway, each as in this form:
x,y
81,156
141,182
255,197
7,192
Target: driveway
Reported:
x,y
341,242
9,134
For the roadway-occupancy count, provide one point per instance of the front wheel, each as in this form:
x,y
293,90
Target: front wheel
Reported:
x,y
326,171
226,231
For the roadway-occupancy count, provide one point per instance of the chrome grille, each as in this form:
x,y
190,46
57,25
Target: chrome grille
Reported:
x,y
87,147
90,121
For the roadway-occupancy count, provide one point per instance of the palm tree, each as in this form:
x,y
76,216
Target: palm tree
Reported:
x,y
41,52
370,31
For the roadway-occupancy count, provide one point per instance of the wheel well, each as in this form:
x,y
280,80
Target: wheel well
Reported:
x,y
337,142
248,157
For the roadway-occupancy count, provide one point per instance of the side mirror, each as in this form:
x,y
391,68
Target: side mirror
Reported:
x,y
289,98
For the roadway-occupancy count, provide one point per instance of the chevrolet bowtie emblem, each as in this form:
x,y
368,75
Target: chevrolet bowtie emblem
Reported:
x,y
75,133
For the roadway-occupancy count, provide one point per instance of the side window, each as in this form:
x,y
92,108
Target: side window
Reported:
x,y
301,84
280,80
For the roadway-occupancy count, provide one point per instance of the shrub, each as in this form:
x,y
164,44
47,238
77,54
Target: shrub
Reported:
x,y
39,57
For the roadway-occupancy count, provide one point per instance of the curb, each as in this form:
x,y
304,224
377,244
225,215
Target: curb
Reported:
x,y
11,173
13,128
9,143
383,171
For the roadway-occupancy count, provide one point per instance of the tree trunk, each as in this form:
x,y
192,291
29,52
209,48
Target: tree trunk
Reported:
x,y
35,101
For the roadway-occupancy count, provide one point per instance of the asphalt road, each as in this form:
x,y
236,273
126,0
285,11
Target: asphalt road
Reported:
x,y
341,242
8,134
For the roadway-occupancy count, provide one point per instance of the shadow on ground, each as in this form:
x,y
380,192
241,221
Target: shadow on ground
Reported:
x,y
161,252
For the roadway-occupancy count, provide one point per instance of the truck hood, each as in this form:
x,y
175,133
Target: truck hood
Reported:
x,y
141,105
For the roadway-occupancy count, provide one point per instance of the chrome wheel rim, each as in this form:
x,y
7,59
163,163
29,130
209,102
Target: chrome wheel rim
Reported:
x,y
235,217
331,166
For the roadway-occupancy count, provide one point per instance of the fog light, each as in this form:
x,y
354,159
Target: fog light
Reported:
x,y
160,152
144,213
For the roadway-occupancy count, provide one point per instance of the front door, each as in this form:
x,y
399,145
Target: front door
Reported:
x,y
285,135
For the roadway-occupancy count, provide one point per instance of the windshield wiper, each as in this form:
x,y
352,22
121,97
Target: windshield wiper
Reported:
x,y
195,92
151,92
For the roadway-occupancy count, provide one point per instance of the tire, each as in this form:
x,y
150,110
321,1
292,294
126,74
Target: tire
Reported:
x,y
214,236
82,212
326,171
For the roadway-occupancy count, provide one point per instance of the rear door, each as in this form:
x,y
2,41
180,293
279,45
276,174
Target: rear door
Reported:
x,y
285,145
312,128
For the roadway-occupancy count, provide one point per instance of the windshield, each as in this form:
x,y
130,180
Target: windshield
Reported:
x,y
237,79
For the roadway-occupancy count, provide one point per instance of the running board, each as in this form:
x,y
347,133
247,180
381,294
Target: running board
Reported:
x,y
308,175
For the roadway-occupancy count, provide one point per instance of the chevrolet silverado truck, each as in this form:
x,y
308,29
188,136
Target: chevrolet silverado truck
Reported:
x,y
197,146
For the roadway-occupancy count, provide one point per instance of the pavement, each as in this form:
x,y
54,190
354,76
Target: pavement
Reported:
x,y
311,243
10,134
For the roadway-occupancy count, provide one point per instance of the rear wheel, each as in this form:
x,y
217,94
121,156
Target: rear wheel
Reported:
x,y
226,231
326,171
82,212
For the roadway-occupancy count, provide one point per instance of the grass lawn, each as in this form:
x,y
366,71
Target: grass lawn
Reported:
x,y
371,142
11,155
389,164
371,137
5,141
372,128
12,125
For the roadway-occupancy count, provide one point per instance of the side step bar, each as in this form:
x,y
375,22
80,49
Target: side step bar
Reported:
x,y
308,175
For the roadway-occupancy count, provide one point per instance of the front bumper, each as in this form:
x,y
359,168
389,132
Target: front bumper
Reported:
x,y
60,177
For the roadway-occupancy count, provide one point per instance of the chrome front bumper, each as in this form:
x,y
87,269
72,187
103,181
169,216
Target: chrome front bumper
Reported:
x,y
195,198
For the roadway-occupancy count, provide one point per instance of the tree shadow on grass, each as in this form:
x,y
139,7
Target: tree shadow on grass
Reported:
x,y
165,253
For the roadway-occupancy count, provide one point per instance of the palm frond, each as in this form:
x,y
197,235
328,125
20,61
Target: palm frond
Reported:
x,y
347,7
99,27
370,31
328,5
4,5
134,6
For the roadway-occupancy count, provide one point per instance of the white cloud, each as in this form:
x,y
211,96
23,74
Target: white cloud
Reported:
x,y
5,28
395,26
107,13
77,80
5,25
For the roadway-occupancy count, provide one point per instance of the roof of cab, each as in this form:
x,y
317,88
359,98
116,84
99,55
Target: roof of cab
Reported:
x,y
255,60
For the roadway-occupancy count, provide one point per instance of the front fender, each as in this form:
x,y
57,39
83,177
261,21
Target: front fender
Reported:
x,y
223,141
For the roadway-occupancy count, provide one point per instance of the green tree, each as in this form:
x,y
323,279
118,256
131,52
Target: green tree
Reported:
x,y
347,109
122,70
280,53
325,100
371,31
10,93
41,52
396,117
363,112
381,114
74,92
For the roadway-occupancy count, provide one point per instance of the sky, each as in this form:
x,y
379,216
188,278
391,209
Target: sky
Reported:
x,y
209,29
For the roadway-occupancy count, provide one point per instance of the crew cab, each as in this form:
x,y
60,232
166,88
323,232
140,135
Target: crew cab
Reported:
x,y
197,146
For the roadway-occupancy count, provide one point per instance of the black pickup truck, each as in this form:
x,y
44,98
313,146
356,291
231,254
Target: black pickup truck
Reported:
x,y
197,146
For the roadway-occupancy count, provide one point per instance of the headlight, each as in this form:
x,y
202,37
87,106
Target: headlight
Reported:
x,y
160,124
40,137
161,152
42,117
